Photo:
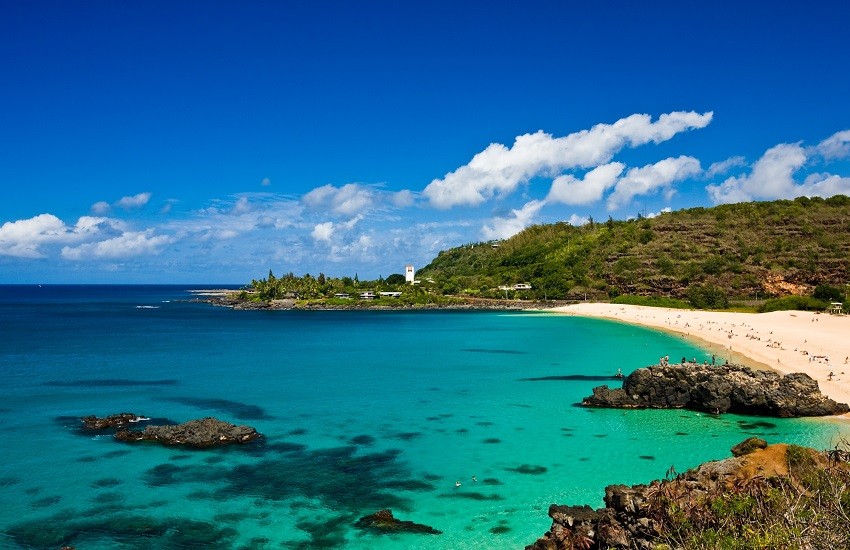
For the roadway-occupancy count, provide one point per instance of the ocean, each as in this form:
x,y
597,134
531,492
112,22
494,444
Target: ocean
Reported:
x,y
361,411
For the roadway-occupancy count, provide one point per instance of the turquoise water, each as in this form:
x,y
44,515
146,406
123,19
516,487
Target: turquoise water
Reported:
x,y
361,411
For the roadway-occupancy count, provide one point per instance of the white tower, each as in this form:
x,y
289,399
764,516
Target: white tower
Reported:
x,y
408,274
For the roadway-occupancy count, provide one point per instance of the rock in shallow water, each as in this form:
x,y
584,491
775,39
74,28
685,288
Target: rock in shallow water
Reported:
x,y
718,389
120,420
383,521
206,432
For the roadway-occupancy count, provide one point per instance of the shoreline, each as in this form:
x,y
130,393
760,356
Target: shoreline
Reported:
x,y
782,341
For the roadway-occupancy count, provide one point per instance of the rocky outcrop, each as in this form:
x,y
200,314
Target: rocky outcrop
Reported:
x,y
120,420
634,516
383,521
718,389
207,432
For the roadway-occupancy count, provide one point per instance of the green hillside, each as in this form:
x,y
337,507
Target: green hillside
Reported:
x,y
747,250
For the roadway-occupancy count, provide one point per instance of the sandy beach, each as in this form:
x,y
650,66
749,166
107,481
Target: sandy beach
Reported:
x,y
784,341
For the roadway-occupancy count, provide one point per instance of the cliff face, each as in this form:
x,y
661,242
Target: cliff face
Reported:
x,y
718,389
769,492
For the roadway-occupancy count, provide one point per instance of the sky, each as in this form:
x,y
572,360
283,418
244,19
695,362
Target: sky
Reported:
x,y
208,142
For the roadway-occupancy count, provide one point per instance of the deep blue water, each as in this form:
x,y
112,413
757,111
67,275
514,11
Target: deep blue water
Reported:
x,y
361,411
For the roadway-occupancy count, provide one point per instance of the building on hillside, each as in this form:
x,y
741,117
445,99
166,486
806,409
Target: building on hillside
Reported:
x,y
517,286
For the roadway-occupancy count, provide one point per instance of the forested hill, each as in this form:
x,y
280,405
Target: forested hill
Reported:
x,y
746,250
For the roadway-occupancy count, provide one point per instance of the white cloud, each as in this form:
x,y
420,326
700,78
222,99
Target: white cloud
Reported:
x,y
130,243
824,185
650,178
576,220
134,201
402,199
348,200
24,238
836,146
723,167
502,228
656,214
323,231
771,177
100,207
241,206
499,170
570,190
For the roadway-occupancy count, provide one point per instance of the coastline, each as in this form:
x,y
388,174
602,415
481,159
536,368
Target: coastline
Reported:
x,y
783,341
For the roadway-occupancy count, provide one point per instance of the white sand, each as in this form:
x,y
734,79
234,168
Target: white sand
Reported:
x,y
784,341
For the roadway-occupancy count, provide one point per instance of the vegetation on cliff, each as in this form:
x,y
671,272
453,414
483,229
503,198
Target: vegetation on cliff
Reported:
x,y
776,497
707,256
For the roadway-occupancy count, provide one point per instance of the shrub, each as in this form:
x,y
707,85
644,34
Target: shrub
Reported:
x,y
828,293
707,296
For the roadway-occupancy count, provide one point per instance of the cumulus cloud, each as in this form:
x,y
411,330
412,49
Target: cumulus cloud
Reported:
x,y
348,200
724,166
134,201
100,207
571,190
241,206
323,231
499,170
836,146
576,220
130,243
519,219
656,214
25,238
402,199
773,175
650,178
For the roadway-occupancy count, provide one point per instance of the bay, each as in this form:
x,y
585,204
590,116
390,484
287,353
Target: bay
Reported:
x,y
361,411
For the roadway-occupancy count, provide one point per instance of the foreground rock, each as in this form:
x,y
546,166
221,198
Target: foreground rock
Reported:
x,y
120,420
639,517
207,432
718,389
383,521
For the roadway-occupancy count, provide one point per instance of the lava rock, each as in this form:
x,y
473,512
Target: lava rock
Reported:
x,y
203,433
718,389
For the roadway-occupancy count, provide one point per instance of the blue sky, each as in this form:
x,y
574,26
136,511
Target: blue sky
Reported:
x,y
207,142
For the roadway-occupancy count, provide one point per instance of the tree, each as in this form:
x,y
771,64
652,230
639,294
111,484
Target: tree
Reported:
x,y
396,279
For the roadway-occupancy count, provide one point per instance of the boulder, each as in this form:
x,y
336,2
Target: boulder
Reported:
x,y
206,432
718,389
120,420
748,446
